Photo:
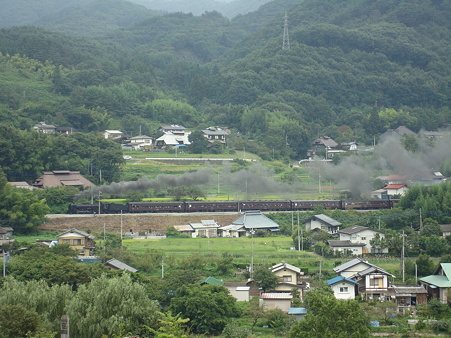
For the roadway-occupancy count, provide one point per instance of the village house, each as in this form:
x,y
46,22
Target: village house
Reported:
x,y
438,285
289,277
322,222
373,281
243,291
176,129
78,240
407,296
397,133
357,240
172,140
396,189
62,178
141,142
113,134
114,264
215,134
343,288
276,300
44,128
445,229
5,234
22,185
206,229
247,224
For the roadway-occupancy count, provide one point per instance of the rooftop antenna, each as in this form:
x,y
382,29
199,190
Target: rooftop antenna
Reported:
x,y
286,38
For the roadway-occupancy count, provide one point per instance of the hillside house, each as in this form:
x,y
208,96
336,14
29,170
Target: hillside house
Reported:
x,y
343,288
175,129
276,300
374,282
322,222
113,134
445,229
141,142
22,185
213,134
62,178
289,277
169,139
397,133
438,285
206,229
114,265
396,189
78,240
355,236
44,128
247,224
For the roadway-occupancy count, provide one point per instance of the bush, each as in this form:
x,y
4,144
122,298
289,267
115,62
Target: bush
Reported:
x,y
233,330
441,326
277,319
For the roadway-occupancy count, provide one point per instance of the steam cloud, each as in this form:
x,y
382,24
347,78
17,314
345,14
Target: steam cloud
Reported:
x,y
187,179
357,173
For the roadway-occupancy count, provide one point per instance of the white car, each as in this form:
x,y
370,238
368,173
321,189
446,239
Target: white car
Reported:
x,y
127,157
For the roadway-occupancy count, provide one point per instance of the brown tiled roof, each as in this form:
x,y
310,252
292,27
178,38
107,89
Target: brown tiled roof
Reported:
x,y
57,178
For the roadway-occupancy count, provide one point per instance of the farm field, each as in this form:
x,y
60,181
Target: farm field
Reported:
x,y
267,250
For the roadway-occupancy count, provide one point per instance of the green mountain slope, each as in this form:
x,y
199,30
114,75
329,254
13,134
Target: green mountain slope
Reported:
x,y
354,69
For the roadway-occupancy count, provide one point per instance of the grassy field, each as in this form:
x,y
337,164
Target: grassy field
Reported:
x,y
268,250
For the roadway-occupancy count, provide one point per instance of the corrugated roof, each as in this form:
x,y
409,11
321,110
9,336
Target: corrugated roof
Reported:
x,y
211,280
297,311
276,295
338,279
347,265
120,265
445,227
437,280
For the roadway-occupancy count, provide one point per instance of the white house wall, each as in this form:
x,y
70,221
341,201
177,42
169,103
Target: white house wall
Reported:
x,y
341,293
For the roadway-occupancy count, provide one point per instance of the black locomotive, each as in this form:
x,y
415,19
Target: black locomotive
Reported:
x,y
226,206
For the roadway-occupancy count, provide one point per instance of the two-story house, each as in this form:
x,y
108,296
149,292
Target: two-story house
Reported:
x,y
141,142
322,222
374,282
113,134
213,134
44,128
356,237
62,178
78,240
289,277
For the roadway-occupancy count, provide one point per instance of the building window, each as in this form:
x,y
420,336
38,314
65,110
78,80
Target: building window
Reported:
x,y
344,289
376,282
66,241
363,238
287,278
77,241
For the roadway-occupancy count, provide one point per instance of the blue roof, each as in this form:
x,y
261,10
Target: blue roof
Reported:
x,y
339,279
297,311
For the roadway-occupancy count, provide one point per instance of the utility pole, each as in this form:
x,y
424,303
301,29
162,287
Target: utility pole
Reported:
x,y
403,266
299,236
421,221
286,38
104,237
121,228
99,201
162,267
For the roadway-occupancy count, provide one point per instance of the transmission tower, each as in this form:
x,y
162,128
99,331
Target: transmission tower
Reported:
x,y
286,38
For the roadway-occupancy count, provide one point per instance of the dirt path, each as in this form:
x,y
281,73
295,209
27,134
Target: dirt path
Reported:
x,y
136,222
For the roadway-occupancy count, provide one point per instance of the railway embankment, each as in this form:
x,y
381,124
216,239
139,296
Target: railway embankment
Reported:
x,y
136,222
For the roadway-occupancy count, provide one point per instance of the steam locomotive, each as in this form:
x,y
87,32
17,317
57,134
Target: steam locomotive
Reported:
x,y
226,206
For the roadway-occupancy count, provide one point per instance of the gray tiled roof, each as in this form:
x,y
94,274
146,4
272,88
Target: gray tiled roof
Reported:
x,y
325,219
255,220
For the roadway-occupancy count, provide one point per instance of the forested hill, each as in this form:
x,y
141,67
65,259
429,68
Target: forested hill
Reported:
x,y
353,69
83,18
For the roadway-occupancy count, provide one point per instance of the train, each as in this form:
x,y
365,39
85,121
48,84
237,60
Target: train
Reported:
x,y
227,206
